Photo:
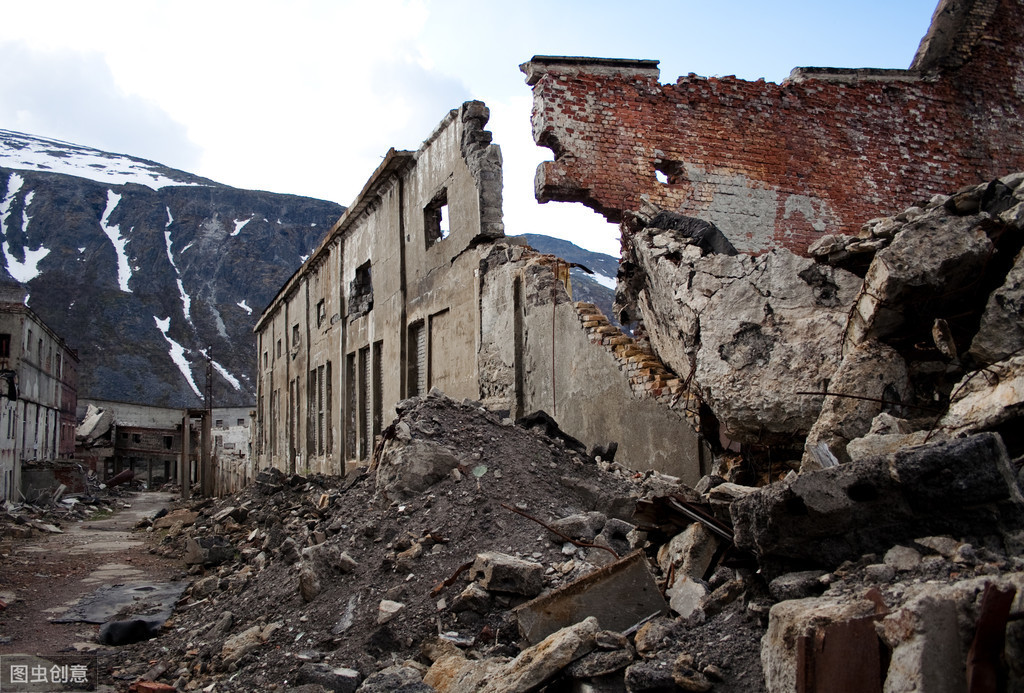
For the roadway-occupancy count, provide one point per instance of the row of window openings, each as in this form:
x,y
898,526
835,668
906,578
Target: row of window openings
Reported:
x,y
437,227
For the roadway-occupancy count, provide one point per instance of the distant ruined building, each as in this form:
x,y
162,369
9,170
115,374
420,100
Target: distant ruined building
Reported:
x,y
779,165
416,287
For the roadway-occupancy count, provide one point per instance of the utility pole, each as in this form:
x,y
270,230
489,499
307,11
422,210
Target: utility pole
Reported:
x,y
207,443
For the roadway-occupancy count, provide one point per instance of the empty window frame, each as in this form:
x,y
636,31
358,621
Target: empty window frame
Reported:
x,y
436,222
321,312
360,291
295,335
5,346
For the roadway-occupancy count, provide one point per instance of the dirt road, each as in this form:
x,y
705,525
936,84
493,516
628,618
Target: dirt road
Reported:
x,y
47,574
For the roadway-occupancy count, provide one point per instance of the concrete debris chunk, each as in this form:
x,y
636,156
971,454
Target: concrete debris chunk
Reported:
x,y
498,572
832,515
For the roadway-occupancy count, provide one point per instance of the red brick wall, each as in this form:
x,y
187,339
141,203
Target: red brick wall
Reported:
x,y
780,165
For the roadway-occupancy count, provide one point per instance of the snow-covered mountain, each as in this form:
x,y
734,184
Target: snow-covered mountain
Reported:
x,y
147,270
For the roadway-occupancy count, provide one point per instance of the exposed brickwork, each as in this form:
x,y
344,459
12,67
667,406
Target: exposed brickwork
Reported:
x,y
781,165
648,376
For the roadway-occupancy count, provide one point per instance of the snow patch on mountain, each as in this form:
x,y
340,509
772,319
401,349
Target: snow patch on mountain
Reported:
x,y
124,270
177,353
239,225
244,306
27,270
29,153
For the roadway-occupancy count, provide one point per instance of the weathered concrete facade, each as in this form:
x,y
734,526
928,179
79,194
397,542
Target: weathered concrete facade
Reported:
x,y
780,165
37,416
385,308
416,288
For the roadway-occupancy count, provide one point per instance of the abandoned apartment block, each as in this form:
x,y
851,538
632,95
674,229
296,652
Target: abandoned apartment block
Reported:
x,y
415,288
780,165
38,390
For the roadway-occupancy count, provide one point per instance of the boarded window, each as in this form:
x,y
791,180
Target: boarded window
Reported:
x,y
328,395
378,388
417,360
436,225
365,420
441,350
351,406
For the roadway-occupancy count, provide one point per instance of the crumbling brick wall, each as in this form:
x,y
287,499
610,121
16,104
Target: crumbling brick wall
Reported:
x,y
782,164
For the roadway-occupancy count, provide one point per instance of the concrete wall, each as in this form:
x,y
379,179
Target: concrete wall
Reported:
x,y
541,357
783,164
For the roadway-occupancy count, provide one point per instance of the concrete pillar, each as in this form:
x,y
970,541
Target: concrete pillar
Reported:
x,y
206,476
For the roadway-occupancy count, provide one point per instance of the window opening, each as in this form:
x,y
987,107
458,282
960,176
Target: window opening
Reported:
x,y
436,225
668,172
360,291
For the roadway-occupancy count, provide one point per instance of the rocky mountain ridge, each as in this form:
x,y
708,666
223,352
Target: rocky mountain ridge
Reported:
x,y
146,270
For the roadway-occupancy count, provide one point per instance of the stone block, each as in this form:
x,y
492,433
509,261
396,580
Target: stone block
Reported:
x,y
498,572
335,679
789,621
208,551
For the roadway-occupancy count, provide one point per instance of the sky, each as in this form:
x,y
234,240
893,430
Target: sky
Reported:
x,y
306,96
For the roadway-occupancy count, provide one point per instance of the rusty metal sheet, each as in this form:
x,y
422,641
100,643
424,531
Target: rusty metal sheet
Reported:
x,y
843,657
619,595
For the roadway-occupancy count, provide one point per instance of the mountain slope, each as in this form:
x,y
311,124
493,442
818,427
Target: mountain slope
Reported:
x,y
597,288
144,269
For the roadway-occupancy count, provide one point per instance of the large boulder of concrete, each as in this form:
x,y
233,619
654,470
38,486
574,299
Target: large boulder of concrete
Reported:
x,y
1001,333
920,275
825,517
737,323
987,399
411,466
870,378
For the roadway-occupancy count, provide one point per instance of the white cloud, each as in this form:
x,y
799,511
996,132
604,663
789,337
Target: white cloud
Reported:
x,y
72,96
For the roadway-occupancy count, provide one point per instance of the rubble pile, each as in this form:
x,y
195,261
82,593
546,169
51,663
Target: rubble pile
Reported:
x,y
55,506
918,317
474,554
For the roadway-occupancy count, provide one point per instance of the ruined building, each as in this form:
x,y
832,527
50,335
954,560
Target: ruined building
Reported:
x,y
38,390
415,288
778,165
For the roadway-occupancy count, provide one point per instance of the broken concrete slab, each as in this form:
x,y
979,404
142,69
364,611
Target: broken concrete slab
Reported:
x,y
498,572
152,599
732,323
987,399
535,665
870,378
825,517
935,254
619,596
